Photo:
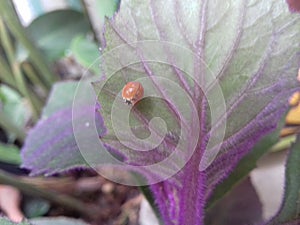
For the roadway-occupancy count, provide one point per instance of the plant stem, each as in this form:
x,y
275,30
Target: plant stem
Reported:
x,y
6,74
284,143
7,11
33,77
7,45
6,123
61,199
15,66
87,14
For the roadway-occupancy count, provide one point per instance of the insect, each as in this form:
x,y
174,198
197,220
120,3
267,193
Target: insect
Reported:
x,y
132,92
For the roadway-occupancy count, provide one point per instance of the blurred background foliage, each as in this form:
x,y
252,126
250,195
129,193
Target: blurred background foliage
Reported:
x,y
41,43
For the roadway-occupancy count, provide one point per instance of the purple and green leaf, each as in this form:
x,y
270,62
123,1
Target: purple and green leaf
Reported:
x,y
51,145
239,55
246,165
250,47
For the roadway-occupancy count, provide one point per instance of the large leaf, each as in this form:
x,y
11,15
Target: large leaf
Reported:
x,y
51,146
54,31
244,56
289,212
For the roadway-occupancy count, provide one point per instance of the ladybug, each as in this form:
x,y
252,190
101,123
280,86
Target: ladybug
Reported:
x,y
132,92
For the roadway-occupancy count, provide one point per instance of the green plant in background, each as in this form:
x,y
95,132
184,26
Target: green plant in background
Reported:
x,y
28,56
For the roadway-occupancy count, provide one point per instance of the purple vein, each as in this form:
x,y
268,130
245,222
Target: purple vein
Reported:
x,y
261,120
183,83
252,81
222,164
199,60
194,214
235,45
270,88
200,42
139,116
119,34
172,108
265,117
151,75
285,26
258,118
179,24
65,132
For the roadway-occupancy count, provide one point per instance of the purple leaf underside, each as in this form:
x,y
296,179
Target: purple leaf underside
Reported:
x,y
51,146
57,147
247,49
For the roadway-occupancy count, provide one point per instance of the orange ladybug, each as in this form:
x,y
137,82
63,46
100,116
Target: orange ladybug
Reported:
x,y
132,92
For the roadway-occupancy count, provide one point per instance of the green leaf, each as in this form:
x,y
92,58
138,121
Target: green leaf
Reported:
x,y
57,221
60,97
106,7
14,107
53,32
243,54
151,40
5,221
86,52
10,154
290,207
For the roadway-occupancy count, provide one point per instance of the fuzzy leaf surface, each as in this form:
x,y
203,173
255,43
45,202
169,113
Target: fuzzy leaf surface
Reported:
x,y
51,145
247,49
